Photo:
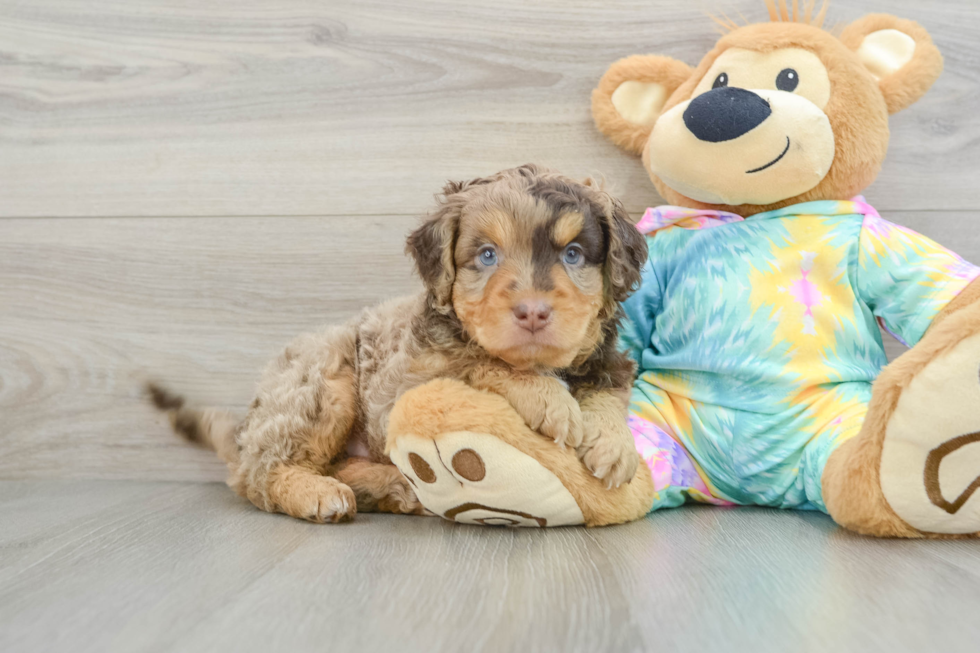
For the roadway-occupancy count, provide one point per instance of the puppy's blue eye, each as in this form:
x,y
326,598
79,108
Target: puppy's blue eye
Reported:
x,y
487,256
572,255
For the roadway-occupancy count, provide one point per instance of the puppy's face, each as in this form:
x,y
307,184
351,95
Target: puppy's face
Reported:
x,y
537,262
528,284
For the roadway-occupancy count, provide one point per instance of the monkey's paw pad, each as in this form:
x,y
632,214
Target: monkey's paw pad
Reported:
x,y
930,462
475,478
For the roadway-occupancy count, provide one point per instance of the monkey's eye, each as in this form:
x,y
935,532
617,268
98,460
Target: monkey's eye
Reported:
x,y
787,80
720,80
572,256
487,256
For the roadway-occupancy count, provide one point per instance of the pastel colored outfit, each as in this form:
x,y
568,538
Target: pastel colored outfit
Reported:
x,y
757,342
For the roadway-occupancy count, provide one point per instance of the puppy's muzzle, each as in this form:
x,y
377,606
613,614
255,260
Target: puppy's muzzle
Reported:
x,y
532,315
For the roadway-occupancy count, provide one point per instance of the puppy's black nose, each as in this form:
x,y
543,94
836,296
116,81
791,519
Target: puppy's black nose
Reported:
x,y
725,113
532,315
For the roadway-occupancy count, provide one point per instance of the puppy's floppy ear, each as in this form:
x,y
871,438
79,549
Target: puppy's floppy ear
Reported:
x,y
631,95
626,251
899,53
434,243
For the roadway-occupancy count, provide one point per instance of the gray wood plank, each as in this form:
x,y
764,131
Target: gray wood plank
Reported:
x,y
161,107
78,584
170,567
91,308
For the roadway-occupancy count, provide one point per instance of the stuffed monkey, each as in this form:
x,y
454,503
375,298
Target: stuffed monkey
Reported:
x,y
756,324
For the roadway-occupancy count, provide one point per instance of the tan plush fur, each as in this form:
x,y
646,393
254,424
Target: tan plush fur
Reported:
x,y
447,405
851,485
665,71
912,81
331,392
781,11
969,297
858,109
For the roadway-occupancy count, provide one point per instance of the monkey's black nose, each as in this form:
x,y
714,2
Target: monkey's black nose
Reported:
x,y
725,113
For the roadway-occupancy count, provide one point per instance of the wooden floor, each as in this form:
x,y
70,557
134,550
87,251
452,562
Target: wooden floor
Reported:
x,y
152,566
184,186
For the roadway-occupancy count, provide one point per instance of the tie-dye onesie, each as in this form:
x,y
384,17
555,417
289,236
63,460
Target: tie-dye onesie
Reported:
x,y
757,342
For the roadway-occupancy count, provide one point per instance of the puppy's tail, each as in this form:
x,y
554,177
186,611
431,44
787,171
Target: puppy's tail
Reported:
x,y
209,428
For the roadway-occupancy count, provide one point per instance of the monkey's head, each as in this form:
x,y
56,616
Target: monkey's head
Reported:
x,y
777,113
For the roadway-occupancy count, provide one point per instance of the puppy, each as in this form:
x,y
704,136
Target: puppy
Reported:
x,y
523,275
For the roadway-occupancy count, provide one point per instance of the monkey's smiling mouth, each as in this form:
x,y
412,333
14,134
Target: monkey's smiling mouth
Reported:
x,y
773,162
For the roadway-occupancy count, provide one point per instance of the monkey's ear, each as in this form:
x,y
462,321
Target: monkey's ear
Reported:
x,y
899,53
631,95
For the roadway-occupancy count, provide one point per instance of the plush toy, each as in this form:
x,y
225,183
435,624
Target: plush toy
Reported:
x,y
763,376
756,324
472,459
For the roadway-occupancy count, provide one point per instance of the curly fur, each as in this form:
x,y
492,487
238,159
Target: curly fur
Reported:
x,y
331,393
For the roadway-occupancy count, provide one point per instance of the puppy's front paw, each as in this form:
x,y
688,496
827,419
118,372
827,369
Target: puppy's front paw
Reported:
x,y
544,402
608,449
549,408
563,420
